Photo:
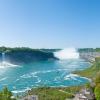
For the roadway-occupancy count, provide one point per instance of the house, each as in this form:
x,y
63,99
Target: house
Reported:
x,y
84,94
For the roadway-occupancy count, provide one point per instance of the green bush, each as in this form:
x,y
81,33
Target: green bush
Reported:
x,y
97,79
97,92
5,94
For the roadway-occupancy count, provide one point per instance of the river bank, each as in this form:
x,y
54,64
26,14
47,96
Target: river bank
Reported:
x,y
92,71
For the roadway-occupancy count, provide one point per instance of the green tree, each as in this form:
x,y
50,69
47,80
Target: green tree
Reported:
x,y
5,94
97,92
88,85
97,79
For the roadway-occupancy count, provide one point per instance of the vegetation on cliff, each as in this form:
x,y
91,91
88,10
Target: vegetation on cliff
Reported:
x,y
97,87
89,50
25,55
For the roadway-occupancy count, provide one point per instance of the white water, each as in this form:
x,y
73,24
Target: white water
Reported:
x,y
68,53
5,64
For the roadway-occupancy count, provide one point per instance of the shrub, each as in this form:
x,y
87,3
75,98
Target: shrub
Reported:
x,y
5,94
97,92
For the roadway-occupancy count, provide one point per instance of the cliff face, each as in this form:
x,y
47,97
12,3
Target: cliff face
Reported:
x,y
23,55
89,56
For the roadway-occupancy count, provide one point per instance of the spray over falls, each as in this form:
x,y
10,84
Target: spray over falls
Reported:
x,y
5,64
68,53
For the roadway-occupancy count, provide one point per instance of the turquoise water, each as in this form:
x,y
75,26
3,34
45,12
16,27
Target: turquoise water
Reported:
x,y
44,73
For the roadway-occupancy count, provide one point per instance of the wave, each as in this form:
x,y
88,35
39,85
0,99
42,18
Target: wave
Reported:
x,y
34,74
21,91
75,77
2,79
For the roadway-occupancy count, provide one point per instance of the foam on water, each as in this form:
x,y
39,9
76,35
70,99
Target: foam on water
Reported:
x,y
2,79
75,77
21,91
5,64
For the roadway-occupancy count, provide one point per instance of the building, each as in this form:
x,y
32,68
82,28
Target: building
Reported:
x,y
30,97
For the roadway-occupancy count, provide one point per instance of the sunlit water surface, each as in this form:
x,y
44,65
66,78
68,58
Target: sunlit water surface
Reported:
x,y
44,73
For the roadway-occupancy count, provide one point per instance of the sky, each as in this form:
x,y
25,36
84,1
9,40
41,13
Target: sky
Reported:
x,y
50,23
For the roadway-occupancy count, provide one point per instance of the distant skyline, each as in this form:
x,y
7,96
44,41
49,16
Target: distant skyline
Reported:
x,y
50,23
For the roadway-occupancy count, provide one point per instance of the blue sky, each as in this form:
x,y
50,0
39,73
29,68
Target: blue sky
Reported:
x,y
50,23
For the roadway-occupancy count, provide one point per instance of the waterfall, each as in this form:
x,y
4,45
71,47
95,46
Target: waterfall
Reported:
x,y
4,63
68,53
3,57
